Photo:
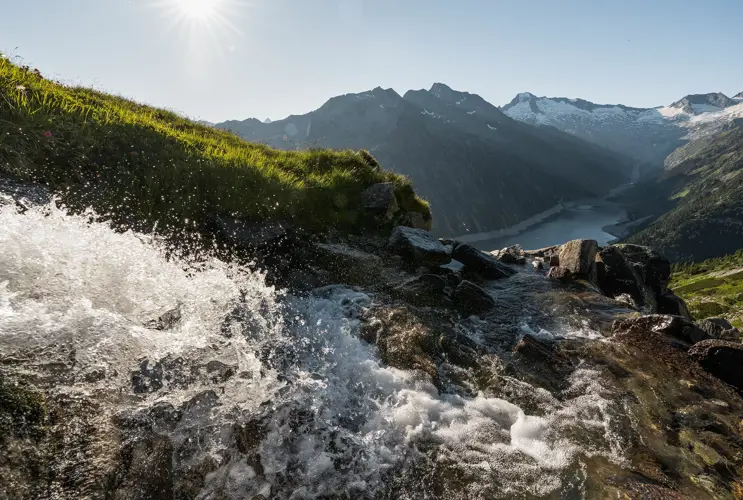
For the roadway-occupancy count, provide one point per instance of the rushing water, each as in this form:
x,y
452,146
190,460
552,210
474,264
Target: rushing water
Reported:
x,y
75,297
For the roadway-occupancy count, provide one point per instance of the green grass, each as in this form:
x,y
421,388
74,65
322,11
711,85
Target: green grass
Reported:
x,y
139,165
713,287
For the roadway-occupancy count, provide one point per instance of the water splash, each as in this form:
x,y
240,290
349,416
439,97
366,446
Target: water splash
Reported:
x,y
284,381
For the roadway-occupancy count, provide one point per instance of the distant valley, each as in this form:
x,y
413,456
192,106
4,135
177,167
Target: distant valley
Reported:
x,y
485,169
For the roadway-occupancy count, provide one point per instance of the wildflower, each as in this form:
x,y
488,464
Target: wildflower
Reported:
x,y
21,88
47,134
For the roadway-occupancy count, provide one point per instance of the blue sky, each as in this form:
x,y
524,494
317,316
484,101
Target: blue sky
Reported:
x,y
271,58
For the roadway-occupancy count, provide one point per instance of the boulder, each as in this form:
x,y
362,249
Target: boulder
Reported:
x,y
669,303
480,262
428,290
560,273
579,257
722,359
654,268
419,247
719,328
472,299
145,469
541,252
622,277
380,200
346,264
674,326
510,255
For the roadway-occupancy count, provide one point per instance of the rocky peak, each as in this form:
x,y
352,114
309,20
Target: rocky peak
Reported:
x,y
703,103
738,96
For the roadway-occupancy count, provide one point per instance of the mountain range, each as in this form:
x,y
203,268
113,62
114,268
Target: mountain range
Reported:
x,y
485,168
646,134
480,169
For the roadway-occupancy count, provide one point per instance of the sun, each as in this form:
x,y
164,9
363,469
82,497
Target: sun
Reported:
x,y
199,10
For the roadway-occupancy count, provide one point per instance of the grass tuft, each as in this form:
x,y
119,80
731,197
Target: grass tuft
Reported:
x,y
140,165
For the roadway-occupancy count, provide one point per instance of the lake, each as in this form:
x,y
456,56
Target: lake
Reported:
x,y
581,221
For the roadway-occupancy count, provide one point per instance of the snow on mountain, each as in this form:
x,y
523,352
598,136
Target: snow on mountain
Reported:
x,y
648,134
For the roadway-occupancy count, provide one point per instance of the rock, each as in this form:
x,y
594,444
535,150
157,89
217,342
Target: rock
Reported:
x,y
722,359
674,326
560,273
538,264
510,255
219,372
722,322
428,290
554,260
166,320
472,299
481,263
147,378
669,303
380,200
450,275
346,264
622,277
579,257
719,328
654,268
259,235
545,252
415,220
418,247
145,470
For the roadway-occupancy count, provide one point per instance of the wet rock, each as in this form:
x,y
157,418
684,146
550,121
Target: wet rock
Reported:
x,y
219,372
553,260
579,257
149,378
472,299
419,247
674,326
719,328
166,320
560,273
426,290
345,264
256,235
722,359
624,277
481,263
145,470
380,200
538,264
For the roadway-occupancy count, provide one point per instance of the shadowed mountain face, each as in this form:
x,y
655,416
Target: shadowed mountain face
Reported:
x,y
480,169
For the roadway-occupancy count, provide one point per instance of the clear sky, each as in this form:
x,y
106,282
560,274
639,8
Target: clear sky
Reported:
x,y
234,59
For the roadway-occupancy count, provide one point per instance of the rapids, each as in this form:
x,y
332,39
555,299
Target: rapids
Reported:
x,y
275,395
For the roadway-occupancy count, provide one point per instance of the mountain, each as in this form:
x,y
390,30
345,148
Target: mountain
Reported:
x,y
738,96
700,200
480,169
647,134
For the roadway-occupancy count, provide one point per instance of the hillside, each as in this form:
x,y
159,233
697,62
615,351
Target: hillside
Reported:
x,y
713,287
700,199
480,169
143,165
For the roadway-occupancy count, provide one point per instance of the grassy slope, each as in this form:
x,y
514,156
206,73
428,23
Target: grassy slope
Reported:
x,y
140,164
713,287
707,219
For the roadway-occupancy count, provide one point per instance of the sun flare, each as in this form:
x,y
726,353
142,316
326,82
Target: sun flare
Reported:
x,y
199,9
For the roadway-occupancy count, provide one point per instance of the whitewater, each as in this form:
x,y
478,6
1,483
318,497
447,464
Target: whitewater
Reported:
x,y
276,393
